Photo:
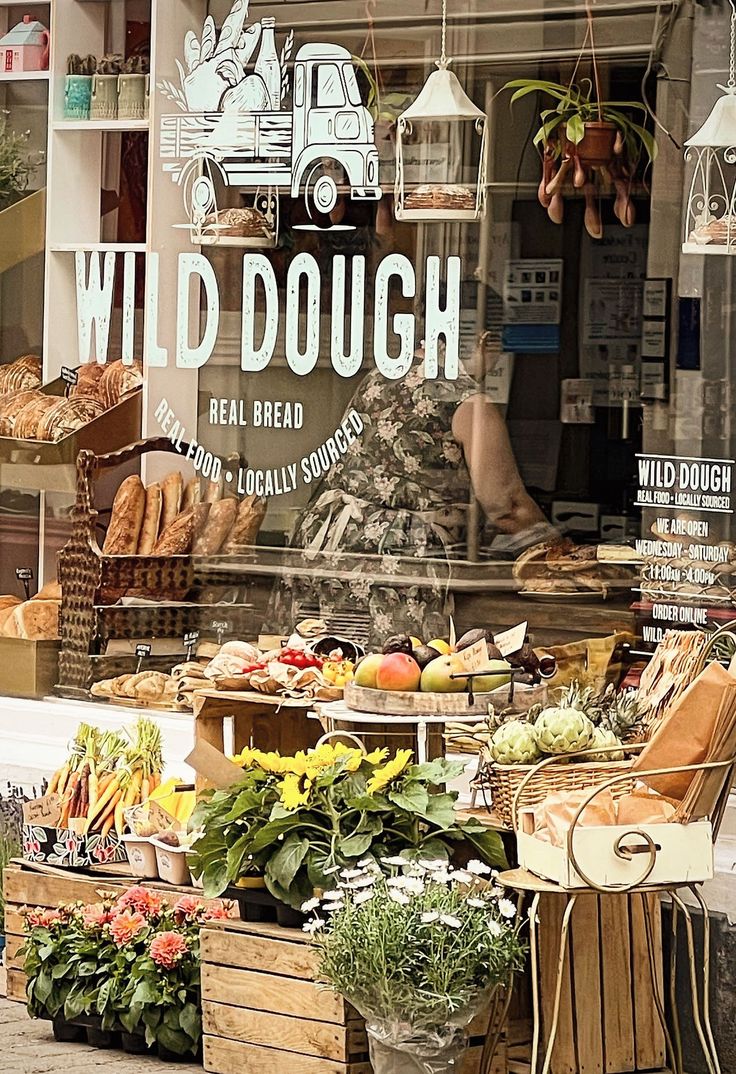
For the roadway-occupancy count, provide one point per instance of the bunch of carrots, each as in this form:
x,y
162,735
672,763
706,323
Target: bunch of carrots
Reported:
x,y
105,774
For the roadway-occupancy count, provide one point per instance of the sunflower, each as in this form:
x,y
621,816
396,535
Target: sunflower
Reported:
x,y
270,762
245,758
293,795
393,768
377,756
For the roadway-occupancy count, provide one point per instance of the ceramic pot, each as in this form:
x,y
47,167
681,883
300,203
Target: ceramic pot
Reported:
x,y
104,97
77,96
132,96
596,148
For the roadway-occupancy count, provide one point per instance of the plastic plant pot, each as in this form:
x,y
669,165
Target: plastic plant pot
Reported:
x,y
141,856
172,863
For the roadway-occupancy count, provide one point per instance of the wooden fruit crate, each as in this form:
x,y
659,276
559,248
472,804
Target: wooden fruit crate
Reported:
x,y
263,1010
26,884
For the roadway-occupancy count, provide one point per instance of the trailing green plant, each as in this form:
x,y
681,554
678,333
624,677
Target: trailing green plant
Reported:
x,y
17,167
298,819
383,107
577,105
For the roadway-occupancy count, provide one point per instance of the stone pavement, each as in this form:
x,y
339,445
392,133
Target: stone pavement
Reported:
x,y
27,1046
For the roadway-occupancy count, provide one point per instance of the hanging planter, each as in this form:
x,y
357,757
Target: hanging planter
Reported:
x,y
587,143
438,138
710,215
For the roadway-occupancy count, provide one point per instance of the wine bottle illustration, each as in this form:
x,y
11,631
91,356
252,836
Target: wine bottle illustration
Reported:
x,y
267,64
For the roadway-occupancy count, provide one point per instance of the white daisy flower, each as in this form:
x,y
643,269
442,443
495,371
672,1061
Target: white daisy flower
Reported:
x,y
331,896
506,908
478,868
333,907
413,885
332,869
363,896
365,863
451,921
479,904
399,897
429,916
309,905
396,860
361,882
350,874
460,876
432,864
495,928
314,926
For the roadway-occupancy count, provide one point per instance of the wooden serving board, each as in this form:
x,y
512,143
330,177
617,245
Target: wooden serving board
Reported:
x,y
406,703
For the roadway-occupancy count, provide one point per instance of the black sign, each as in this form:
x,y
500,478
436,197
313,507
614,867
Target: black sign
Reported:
x,y
191,638
220,625
69,376
142,650
24,574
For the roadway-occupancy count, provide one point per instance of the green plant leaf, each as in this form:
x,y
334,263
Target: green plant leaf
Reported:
x,y
438,771
414,798
174,1039
145,993
215,879
75,1005
489,846
286,862
42,987
575,129
356,845
441,810
191,1021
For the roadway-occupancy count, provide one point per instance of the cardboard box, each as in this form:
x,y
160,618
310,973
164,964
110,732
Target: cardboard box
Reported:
x,y
684,854
28,668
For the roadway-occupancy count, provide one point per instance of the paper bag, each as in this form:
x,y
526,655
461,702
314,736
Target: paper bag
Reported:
x,y
685,733
552,819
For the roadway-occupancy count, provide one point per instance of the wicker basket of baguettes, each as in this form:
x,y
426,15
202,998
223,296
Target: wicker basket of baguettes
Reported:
x,y
144,563
32,415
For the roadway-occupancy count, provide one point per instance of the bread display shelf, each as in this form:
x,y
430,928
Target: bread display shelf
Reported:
x,y
165,620
119,425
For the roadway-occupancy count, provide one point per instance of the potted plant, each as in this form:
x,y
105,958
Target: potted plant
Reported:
x,y
299,819
418,953
16,166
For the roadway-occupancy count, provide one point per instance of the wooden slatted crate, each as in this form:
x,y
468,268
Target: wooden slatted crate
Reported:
x,y
263,1010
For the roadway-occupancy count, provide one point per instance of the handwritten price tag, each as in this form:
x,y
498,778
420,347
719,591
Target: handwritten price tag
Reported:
x,y
69,376
142,651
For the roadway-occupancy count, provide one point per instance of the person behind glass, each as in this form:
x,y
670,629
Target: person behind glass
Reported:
x,y
402,490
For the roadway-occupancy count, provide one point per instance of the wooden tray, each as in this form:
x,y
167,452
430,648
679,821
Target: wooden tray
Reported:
x,y
405,703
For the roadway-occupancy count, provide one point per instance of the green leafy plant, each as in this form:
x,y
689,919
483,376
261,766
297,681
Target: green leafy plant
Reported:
x,y
131,961
383,107
418,952
299,819
577,105
17,167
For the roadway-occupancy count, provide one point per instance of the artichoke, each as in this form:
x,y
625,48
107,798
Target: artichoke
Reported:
x,y
562,730
603,738
514,743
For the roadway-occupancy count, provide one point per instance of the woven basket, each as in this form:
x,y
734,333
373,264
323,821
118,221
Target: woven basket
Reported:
x,y
498,783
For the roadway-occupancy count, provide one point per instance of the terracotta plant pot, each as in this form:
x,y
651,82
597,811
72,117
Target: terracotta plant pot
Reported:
x,y
596,148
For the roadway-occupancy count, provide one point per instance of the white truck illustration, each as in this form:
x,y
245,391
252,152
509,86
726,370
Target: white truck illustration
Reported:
x,y
320,145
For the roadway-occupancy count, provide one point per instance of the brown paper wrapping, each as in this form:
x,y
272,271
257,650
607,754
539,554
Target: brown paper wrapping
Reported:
x,y
686,732
554,816
589,661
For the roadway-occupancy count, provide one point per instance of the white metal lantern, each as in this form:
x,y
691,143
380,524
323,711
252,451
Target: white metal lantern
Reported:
x,y
710,215
436,178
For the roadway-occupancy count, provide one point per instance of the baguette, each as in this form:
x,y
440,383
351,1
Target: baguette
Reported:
x,y
128,509
172,488
192,494
244,531
176,539
151,520
220,520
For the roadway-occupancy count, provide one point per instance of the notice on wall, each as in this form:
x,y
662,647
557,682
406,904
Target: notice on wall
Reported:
x,y
576,402
686,567
532,290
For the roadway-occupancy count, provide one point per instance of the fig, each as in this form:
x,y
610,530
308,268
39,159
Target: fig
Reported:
x,y
525,658
494,653
398,643
424,654
168,838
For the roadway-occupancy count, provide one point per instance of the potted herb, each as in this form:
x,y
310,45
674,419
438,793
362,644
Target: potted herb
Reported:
x,y
418,953
16,166
299,819
78,86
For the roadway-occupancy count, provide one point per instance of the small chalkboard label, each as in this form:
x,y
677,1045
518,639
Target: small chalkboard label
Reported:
x,y
24,574
69,376
191,638
221,627
142,650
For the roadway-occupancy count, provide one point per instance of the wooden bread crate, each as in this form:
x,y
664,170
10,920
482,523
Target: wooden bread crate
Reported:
x,y
264,1012
28,668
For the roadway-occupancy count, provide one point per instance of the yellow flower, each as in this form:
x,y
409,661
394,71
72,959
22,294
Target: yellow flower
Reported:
x,y
393,768
270,762
244,759
292,794
377,756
